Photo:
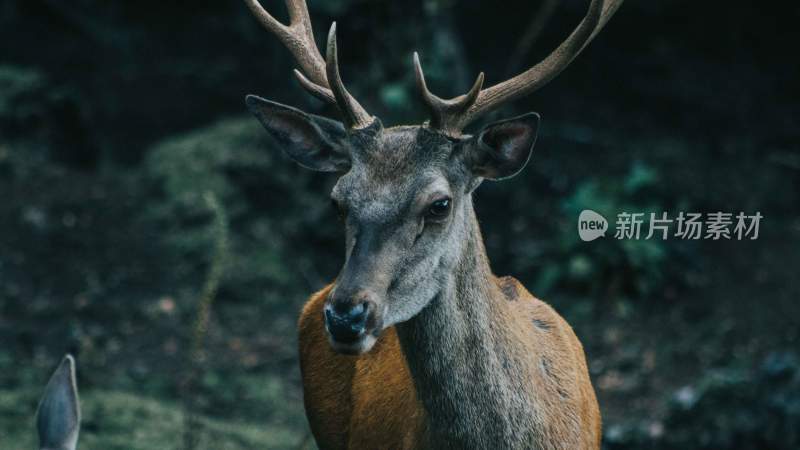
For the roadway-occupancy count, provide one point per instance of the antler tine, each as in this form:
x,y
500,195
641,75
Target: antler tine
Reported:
x,y
298,38
326,95
354,114
443,111
600,11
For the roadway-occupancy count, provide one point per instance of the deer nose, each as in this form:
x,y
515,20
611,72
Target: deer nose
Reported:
x,y
346,320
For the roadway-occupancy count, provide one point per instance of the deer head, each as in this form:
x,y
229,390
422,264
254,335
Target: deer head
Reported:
x,y
404,193
59,415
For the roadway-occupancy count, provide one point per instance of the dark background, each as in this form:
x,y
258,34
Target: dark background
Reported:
x,y
135,188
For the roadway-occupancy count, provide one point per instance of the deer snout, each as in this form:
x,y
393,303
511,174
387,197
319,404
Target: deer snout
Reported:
x,y
350,320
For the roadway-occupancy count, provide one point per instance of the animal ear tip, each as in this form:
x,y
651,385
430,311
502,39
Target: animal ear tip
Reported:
x,y
252,100
533,118
67,365
531,121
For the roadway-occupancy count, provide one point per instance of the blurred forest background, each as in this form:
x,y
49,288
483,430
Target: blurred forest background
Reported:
x,y
135,188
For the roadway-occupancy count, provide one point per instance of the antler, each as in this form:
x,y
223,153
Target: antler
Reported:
x,y
318,76
452,115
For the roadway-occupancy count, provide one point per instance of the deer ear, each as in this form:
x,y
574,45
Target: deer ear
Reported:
x,y
314,142
59,415
502,148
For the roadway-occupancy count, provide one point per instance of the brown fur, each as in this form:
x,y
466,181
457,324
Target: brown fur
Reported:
x,y
369,401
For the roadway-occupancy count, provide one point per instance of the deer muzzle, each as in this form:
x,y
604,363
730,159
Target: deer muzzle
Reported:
x,y
352,321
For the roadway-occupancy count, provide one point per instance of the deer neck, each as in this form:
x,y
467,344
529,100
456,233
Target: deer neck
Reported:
x,y
456,354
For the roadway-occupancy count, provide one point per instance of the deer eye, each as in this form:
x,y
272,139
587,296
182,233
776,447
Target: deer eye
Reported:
x,y
440,208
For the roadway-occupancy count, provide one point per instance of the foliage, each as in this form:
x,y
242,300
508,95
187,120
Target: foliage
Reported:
x,y
251,179
629,267
121,421
728,409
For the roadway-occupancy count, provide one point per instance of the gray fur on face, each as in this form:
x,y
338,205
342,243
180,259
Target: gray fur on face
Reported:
x,y
398,257
393,249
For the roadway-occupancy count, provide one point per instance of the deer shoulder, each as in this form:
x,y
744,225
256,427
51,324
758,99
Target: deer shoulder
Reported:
x,y
558,370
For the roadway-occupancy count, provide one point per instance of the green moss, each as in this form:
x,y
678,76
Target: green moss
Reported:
x,y
265,196
121,421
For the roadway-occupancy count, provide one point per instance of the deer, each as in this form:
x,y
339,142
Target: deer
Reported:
x,y
58,417
416,343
